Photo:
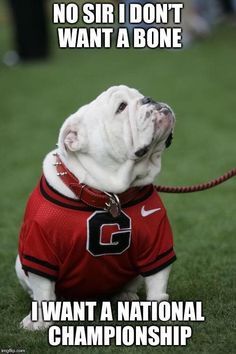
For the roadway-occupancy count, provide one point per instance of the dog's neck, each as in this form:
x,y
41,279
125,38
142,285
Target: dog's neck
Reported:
x,y
110,177
88,172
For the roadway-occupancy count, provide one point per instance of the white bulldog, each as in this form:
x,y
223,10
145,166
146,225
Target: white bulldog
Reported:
x,y
112,145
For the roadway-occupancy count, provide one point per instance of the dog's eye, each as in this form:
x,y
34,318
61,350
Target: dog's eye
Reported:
x,y
121,107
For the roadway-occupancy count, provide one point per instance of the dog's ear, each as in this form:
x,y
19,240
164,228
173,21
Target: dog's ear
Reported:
x,y
69,137
71,141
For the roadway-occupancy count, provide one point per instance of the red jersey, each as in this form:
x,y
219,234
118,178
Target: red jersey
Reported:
x,y
86,251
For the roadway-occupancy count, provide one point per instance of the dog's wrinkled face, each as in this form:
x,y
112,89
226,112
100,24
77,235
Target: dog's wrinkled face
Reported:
x,y
119,125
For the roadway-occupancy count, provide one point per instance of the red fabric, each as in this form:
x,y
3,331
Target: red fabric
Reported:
x,y
55,243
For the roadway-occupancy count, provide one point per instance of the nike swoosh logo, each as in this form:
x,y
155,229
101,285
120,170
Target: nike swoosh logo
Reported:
x,y
145,213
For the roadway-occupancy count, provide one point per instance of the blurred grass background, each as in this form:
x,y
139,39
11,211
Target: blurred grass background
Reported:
x,y
200,84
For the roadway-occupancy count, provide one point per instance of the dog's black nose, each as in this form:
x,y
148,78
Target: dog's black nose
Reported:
x,y
149,100
146,100
165,110
141,152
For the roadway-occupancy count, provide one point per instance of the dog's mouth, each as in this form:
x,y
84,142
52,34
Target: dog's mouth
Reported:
x,y
163,119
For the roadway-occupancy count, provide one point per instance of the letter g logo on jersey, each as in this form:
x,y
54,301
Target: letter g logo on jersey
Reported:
x,y
106,235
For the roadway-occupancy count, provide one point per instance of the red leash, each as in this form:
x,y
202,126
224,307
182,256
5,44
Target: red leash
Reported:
x,y
197,187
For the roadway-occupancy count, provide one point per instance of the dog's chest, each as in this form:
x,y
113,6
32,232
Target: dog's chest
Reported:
x,y
88,252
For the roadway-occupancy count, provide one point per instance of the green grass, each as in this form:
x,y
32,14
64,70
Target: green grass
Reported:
x,y
200,84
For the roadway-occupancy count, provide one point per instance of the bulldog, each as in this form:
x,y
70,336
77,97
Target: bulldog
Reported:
x,y
95,225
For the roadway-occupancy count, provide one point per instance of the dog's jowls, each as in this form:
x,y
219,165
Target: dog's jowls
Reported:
x,y
111,144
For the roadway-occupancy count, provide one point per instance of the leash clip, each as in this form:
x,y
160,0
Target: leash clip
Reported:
x,y
113,206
